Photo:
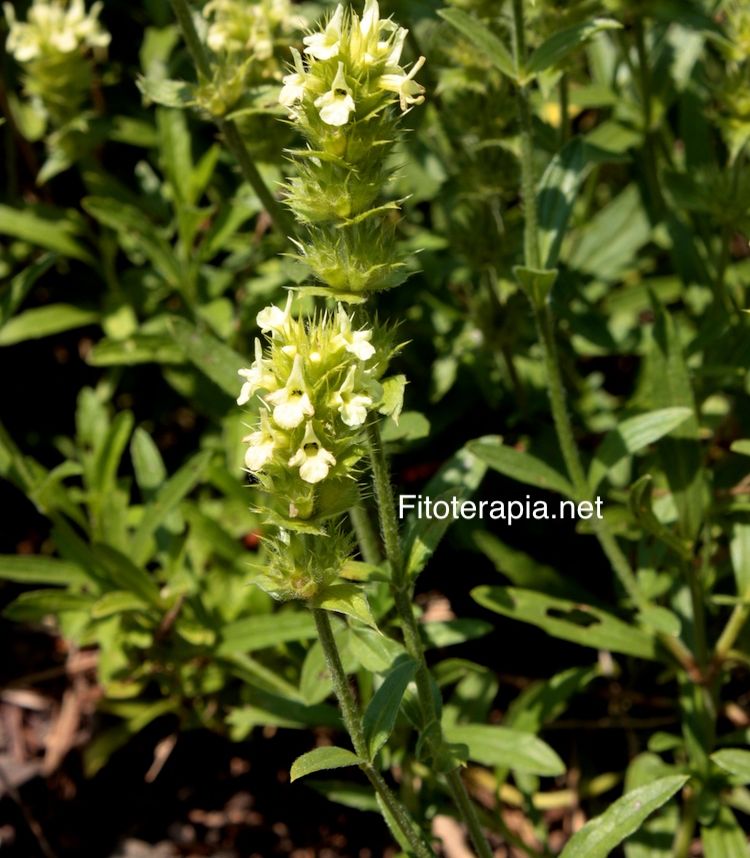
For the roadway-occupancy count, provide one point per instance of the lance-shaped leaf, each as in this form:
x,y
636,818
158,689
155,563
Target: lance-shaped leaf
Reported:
x,y
521,466
44,321
725,838
459,478
253,633
639,501
564,42
213,358
572,621
735,761
165,500
482,38
633,435
380,715
601,835
345,599
502,746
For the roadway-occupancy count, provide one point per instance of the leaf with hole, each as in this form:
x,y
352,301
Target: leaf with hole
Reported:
x,y
572,621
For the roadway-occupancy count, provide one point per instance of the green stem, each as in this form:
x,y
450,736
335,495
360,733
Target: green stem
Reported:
x,y
528,182
401,590
386,506
684,837
278,214
649,147
555,386
734,626
353,722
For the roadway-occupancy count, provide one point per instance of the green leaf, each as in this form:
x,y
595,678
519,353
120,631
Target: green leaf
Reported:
x,y
458,478
451,632
208,354
110,452
253,633
55,231
134,226
44,322
735,761
117,602
148,465
524,571
482,38
563,42
739,549
639,501
742,447
14,293
542,702
521,466
125,575
380,715
322,759
346,599
35,569
669,385
373,650
276,711
601,835
137,349
37,604
166,499
558,189
492,745
165,92
356,796
536,283
315,681
725,838
611,239
571,621
393,397
411,426
633,435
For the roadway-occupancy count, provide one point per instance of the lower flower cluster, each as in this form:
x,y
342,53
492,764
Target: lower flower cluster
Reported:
x,y
317,382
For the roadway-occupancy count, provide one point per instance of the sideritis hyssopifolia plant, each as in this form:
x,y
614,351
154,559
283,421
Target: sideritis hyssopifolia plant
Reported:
x,y
57,48
319,382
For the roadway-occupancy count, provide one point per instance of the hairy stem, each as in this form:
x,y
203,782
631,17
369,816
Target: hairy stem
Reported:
x,y
528,188
353,722
278,214
401,591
